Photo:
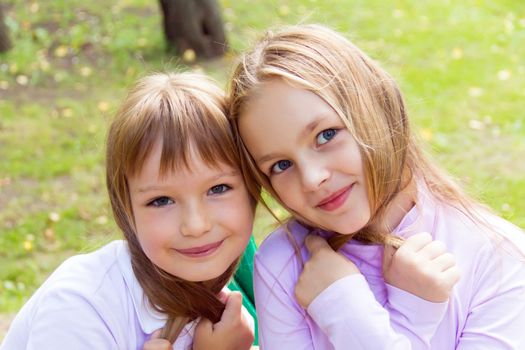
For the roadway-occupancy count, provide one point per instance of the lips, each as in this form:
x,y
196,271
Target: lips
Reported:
x,y
197,252
336,199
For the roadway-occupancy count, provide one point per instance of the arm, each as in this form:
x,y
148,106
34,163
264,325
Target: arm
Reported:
x,y
496,316
414,316
348,314
420,276
343,313
340,301
283,324
67,320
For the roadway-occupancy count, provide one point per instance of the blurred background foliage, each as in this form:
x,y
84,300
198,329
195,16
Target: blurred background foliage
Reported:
x,y
459,63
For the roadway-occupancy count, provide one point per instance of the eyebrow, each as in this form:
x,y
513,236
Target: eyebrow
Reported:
x,y
312,125
211,179
306,130
149,188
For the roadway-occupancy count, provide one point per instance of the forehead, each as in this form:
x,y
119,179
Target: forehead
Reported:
x,y
162,158
279,100
277,97
153,169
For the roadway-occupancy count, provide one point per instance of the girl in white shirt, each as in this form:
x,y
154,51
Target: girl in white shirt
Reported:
x,y
180,200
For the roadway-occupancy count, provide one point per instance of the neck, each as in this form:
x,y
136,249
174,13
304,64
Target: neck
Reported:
x,y
398,208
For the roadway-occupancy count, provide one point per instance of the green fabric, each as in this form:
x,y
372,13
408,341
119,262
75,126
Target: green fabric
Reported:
x,y
243,282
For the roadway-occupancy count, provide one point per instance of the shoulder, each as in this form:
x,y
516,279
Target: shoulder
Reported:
x,y
280,248
486,233
510,235
490,251
277,262
84,295
83,284
88,272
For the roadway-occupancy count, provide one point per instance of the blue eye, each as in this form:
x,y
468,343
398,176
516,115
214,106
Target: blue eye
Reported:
x,y
280,166
218,189
160,202
325,136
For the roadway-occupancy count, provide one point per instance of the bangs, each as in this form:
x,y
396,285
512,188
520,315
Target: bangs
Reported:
x,y
198,129
189,122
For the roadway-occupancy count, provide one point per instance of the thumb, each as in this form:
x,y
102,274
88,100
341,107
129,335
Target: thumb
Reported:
x,y
204,327
223,296
315,243
156,334
233,307
388,255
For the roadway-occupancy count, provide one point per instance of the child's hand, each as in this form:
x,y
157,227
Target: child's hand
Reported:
x,y
422,267
156,343
232,332
324,268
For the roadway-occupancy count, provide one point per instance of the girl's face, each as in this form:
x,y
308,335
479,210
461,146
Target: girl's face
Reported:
x,y
191,223
311,159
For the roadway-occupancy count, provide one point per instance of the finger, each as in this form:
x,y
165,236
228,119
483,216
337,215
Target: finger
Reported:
x,y
453,275
433,250
444,262
156,334
204,328
416,242
315,243
158,344
233,307
223,296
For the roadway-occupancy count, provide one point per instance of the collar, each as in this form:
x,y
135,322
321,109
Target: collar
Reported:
x,y
149,318
423,216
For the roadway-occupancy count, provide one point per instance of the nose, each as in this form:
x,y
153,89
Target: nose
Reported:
x,y
195,220
313,174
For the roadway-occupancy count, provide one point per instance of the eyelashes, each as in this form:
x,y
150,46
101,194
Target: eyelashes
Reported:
x,y
321,138
325,136
160,202
163,201
280,166
219,189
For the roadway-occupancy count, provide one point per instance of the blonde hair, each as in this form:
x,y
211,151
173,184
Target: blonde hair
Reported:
x,y
367,100
185,111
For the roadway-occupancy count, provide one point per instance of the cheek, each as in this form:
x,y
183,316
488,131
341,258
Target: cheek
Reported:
x,y
364,205
287,192
242,216
151,231
235,212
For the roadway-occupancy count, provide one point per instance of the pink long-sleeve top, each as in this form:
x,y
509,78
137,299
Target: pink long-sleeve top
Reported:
x,y
486,309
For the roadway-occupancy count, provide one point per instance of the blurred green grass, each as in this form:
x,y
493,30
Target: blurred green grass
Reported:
x,y
459,64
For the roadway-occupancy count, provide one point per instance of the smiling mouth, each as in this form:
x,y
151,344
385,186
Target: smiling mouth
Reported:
x,y
336,199
201,251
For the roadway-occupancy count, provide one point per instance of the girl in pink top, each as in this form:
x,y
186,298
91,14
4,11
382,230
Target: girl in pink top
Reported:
x,y
371,257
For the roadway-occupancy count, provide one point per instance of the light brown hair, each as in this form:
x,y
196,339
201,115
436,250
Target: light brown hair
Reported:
x,y
184,111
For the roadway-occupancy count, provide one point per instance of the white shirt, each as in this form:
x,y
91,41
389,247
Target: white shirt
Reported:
x,y
91,301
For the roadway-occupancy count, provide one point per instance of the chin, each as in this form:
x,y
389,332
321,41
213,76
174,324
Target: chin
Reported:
x,y
205,277
348,230
343,231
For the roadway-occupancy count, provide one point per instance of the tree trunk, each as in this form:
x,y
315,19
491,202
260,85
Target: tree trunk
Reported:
x,y
196,25
5,43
